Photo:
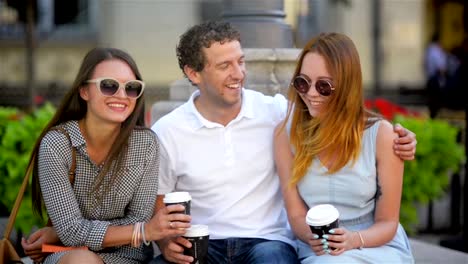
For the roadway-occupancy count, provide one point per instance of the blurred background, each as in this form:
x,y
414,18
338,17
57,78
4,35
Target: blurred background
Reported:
x,y
391,36
42,43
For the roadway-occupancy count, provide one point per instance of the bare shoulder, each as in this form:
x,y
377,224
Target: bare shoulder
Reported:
x,y
385,131
281,131
385,140
281,127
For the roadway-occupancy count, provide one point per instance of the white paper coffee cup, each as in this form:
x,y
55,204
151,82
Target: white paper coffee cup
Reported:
x,y
322,218
182,198
198,235
197,231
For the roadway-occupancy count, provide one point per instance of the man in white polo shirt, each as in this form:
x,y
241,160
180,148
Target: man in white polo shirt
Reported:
x,y
218,146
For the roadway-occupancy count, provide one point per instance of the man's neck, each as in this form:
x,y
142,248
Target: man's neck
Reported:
x,y
221,114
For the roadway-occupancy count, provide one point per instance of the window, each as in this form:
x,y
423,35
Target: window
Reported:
x,y
54,19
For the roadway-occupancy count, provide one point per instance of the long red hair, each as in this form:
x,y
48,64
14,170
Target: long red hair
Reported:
x,y
336,133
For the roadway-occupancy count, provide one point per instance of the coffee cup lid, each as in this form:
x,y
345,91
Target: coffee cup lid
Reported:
x,y
322,214
176,197
197,231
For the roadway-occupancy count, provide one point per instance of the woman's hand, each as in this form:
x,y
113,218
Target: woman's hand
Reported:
x,y
318,245
340,239
33,245
165,223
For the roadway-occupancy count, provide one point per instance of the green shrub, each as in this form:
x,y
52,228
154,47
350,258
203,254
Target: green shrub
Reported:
x,y
437,155
18,134
427,177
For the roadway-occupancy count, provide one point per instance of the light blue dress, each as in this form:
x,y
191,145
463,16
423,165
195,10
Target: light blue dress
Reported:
x,y
352,190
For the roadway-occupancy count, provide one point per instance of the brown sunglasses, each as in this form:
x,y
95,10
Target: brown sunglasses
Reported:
x,y
302,84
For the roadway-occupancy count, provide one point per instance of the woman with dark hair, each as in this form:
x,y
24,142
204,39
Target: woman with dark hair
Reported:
x,y
98,134
331,150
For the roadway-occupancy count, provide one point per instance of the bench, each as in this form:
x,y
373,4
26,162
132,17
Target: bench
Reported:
x,y
423,252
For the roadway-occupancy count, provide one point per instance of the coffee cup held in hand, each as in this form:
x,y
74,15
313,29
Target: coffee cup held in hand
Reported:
x,y
182,198
198,235
322,218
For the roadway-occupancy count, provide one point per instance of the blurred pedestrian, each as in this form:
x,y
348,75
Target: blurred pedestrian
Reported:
x,y
435,65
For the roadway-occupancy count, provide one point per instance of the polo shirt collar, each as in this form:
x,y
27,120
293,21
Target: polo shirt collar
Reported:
x,y
198,121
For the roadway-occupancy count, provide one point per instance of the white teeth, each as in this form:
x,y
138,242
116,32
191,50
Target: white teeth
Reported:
x,y
315,103
233,86
117,105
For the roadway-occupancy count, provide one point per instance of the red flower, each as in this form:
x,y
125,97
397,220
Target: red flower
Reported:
x,y
38,100
388,109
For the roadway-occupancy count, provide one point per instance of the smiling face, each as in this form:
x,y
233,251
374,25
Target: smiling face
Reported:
x,y
315,67
113,109
222,78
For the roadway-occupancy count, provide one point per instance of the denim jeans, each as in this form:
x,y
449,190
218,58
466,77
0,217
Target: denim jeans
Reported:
x,y
246,250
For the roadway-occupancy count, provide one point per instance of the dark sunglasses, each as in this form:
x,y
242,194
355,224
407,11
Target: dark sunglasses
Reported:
x,y
110,86
302,83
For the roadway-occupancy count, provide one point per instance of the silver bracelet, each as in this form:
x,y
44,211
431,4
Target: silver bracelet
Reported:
x,y
147,243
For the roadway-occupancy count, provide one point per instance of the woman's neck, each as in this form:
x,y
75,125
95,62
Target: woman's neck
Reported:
x,y
99,137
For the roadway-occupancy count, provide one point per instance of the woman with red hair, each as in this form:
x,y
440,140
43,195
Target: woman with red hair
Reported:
x,y
330,150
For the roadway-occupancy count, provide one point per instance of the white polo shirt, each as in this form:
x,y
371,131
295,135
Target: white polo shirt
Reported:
x,y
228,170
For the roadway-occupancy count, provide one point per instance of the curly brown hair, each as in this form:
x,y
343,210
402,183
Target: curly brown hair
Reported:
x,y
189,50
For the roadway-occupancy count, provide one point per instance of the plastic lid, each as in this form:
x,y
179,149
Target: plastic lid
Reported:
x,y
322,214
176,197
197,231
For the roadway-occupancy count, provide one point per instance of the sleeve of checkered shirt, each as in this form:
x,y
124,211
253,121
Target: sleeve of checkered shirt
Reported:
x,y
62,207
59,199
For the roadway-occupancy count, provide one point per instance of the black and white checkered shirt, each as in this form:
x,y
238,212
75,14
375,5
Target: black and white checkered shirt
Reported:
x,y
75,213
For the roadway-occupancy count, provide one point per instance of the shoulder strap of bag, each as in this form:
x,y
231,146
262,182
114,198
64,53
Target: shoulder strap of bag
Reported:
x,y
71,172
14,211
24,185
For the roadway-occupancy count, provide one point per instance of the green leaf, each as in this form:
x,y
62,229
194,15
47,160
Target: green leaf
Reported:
x,y
426,178
18,134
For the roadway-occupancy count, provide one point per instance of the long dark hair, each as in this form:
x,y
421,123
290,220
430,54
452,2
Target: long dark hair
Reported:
x,y
73,107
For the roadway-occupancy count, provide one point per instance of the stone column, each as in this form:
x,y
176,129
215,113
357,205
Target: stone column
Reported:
x,y
261,23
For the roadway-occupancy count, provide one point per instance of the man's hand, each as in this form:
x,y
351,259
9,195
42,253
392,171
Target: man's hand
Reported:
x,y
405,145
173,250
33,245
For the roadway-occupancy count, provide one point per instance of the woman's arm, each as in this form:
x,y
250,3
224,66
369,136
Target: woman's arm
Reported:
x,y
390,179
295,206
59,198
75,230
142,206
